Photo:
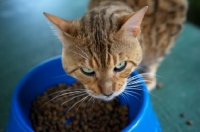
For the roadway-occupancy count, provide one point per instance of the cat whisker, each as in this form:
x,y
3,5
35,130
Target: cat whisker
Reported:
x,y
70,94
87,103
71,89
73,98
134,82
132,92
140,75
135,77
91,100
137,82
131,95
50,100
116,99
61,91
143,75
79,105
74,92
76,103
123,95
142,68
134,86
79,54
82,51
54,93
94,99
139,88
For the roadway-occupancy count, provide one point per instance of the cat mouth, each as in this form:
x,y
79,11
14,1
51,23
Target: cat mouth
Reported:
x,y
111,97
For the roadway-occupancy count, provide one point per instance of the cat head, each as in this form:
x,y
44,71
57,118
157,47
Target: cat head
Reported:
x,y
101,49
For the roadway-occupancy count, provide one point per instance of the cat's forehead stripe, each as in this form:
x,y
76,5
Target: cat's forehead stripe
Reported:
x,y
96,61
91,19
101,23
103,12
110,20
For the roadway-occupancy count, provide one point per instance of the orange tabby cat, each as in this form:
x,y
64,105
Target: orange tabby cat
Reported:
x,y
112,39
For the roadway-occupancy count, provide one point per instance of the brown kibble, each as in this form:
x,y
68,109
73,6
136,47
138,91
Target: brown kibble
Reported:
x,y
46,123
53,122
100,116
46,112
123,125
159,85
85,127
51,130
109,107
111,122
55,118
54,113
38,129
75,85
115,128
68,127
32,116
182,115
75,122
189,122
76,128
123,118
62,85
39,123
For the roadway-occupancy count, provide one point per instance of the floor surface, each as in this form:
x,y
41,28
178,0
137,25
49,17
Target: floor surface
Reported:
x,y
26,39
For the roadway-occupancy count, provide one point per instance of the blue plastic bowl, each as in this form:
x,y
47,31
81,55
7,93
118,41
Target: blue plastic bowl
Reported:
x,y
141,115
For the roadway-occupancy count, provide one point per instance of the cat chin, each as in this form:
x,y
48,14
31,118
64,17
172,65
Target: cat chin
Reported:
x,y
113,96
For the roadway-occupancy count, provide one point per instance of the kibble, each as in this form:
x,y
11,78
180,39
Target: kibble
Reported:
x,y
189,122
159,85
84,117
182,115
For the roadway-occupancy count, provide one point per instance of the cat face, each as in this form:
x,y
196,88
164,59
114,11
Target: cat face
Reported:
x,y
99,54
104,74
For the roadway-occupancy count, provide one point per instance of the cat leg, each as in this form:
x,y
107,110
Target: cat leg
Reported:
x,y
149,74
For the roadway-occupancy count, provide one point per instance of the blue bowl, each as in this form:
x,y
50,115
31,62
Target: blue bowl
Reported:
x,y
141,115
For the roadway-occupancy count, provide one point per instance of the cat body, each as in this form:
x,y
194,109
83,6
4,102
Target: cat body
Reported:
x,y
112,39
160,27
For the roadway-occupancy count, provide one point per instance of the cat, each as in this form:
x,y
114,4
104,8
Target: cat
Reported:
x,y
116,37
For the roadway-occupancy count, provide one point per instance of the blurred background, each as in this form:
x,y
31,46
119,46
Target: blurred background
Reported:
x,y
26,40
194,12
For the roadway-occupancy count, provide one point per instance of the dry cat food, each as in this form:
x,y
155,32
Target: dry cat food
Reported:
x,y
182,115
159,85
189,122
87,116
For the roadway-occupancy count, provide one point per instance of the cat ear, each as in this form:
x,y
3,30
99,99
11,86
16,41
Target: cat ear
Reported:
x,y
132,22
60,23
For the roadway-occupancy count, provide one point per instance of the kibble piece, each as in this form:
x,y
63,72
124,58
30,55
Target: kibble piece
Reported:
x,y
182,115
159,85
189,122
109,107
38,129
62,85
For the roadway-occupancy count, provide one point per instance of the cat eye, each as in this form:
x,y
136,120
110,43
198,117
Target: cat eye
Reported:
x,y
120,67
87,71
